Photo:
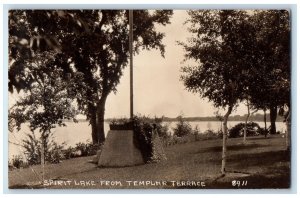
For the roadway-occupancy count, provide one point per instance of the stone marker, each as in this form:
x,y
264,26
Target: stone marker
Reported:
x,y
119,150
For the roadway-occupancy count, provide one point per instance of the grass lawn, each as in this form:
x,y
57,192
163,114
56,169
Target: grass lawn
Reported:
x,y
261,163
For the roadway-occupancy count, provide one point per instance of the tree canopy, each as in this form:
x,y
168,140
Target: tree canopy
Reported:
x,y
48,101
94,43
239,55
219,72
272,58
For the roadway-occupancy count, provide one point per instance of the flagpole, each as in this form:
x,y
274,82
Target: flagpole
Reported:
x,y
131,61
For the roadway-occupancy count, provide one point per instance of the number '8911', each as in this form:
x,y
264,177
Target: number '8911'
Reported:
x,y
239,183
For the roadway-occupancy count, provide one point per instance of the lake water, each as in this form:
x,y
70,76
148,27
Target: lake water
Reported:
x,y
81,132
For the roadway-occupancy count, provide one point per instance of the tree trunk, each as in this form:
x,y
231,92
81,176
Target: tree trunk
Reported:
x,y
265,121
43,146
43,153
273,116
225,130
100,119
246,122
93,122
221,128
288,130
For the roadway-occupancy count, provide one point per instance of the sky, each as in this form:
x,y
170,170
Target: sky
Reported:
x,y
157,88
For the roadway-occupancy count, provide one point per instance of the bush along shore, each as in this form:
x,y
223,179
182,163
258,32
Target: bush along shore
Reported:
x,y
55,154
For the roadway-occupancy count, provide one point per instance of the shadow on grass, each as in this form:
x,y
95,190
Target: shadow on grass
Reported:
x,y
268,158
237,147
275,177
262,137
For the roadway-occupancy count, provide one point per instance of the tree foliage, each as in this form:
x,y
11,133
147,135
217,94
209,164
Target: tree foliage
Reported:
x,y
271,84
182,127
92,42
47,102
218,45
217,75
239,55
252,129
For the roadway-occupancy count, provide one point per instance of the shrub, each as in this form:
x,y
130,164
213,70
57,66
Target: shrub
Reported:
x,y
220,134
84,149
33,149
121,121
162,130
142,136
93,148
182,128
32,146
196,132
120,124
262,131
68,153
208,135
18,162
266,132
55,154
238,130
145,131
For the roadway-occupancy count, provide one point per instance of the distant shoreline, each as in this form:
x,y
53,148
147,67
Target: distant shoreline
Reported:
x,y
254,118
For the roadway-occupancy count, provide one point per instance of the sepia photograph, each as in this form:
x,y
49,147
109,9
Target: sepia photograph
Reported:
x,y
149,99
